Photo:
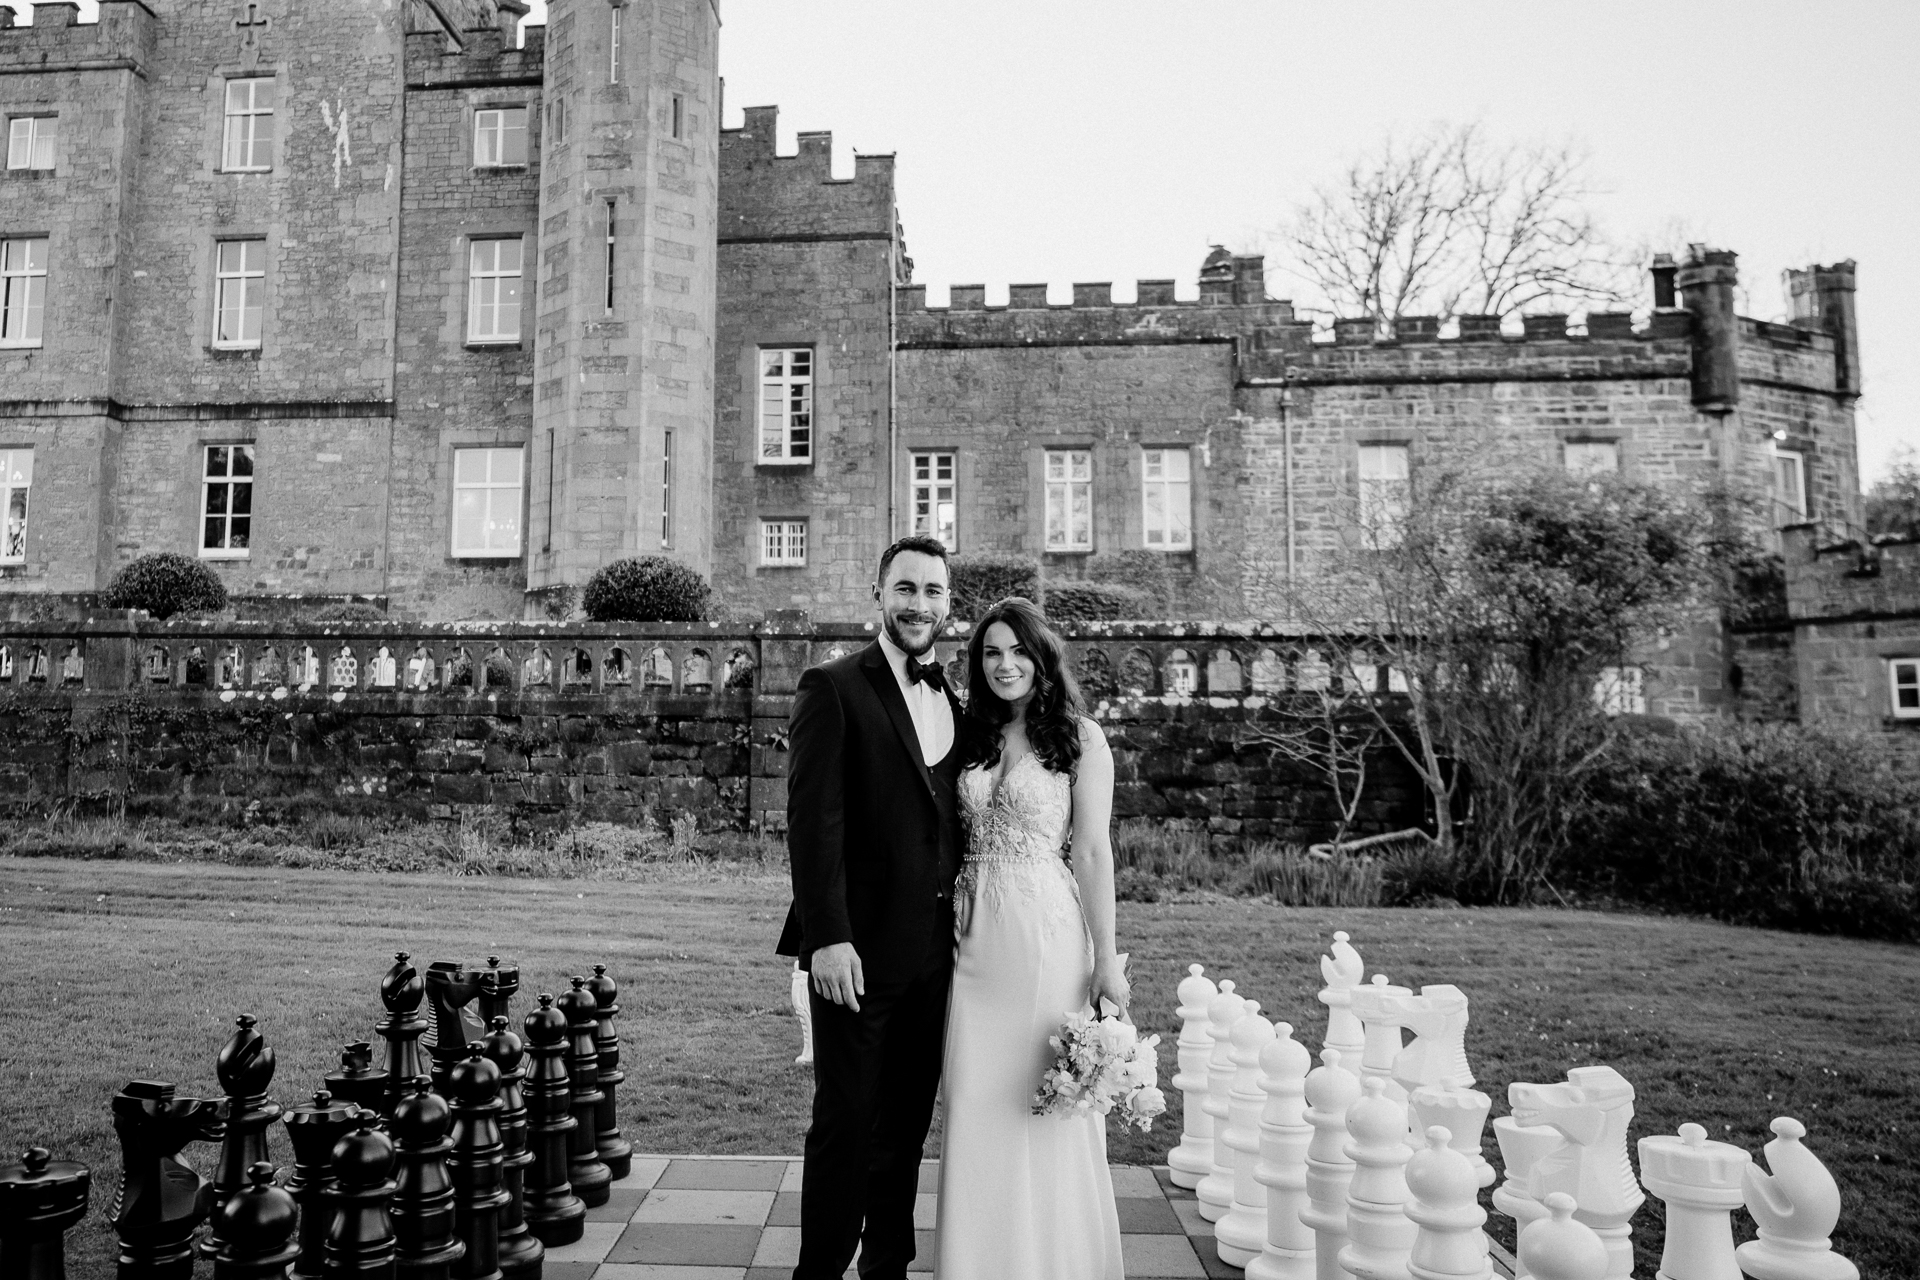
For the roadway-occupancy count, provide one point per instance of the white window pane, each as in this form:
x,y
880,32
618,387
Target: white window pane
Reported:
x,y
16,467
239,96
1056,466
469,466
469,519
19,142
45,130
1082,464
1180,515
506,465
1178,464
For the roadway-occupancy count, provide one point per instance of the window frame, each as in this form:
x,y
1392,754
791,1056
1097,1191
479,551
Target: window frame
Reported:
x,y
223,279
924,487
1166,486
556,121
500,135
1801,510
8,488
1571,449
24,278
1383,513
474,338
1895,685
1621,690
792,532
35,142
230,123
1064,489
489,487
788,381
231,483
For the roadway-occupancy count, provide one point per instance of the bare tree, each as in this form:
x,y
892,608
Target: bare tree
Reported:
x,y
1331,732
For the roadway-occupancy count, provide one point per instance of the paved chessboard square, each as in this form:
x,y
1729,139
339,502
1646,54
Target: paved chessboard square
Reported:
x,y
768,1273
723,1175
665,1271
1133,1181
1188,1211
744,1208
1141,1215
551,1270
1210,1259
1161,1256
645,1172
621,1202
790,1181
786,1211
779,1247
686,1243
591,1247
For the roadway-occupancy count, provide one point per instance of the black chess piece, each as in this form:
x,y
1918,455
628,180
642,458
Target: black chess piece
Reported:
x,y
360,1237
615,1151
255,1228
585,1170
479,1187
160,1201
400,991
358,1082
521,1252
452,990
314,1127
553,1212
498,985
40,1201
423,1194
245,1068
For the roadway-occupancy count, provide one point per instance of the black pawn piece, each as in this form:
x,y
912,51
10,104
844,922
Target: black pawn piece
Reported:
x,y
360,1237
520,1250
498,985
615,1151
423,1194
585,1169
400,991
245,1068
479,1187
255,1229
451,992
40,1201
358,1082
314,1128
160,1201
553,1212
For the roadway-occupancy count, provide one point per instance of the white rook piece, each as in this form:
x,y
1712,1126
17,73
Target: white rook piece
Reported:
x,y
1591,1112
1795,1207
1377,1005
1462,1113
1331,1089
1215,1192
1282,1170
1700,1181
1192,1160
1379,1233
1241,1233
1449,1243
1342,971
803,1010
1556,1247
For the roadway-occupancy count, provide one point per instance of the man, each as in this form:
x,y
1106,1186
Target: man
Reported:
x,y
873,837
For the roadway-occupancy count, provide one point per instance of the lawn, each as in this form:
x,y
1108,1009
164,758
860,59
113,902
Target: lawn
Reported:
x,y
120,970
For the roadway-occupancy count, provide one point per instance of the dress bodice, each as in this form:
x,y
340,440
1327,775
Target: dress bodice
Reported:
x,y
1027,814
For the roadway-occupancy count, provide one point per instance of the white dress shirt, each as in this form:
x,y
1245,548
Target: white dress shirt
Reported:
x,y
931,712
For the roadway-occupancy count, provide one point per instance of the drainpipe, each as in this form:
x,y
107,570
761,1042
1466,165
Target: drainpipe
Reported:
x,y
893,384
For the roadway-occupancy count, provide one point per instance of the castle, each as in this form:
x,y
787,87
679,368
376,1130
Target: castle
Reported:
x,y
379,301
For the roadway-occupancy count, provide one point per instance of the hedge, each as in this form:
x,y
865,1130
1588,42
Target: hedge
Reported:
x,y
165,583
1096,602
979,582
646,589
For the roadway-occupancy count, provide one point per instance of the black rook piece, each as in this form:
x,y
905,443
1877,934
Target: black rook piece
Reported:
x,y
479,1193
402,1028
358,1082
255,1229
315,1127
160,1201
615,1151
40,1200
521,1252
245,1068
587,1172
360,1237
498,985
423,1195
553,1212
451,992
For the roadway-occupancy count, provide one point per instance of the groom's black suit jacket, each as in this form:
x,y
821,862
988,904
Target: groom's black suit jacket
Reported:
x,y
873,833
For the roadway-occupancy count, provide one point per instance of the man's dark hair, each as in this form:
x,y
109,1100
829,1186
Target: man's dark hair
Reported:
x,y
920,542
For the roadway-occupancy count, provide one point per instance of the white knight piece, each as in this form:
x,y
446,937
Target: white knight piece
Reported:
x,y
1590,1112
1795,1207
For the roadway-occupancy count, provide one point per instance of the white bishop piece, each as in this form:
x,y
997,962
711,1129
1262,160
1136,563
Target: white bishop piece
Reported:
x,y
1192,1160
1795,1208
1590,1113
1450,1243
1241,1233
1282,1168
1379,1233
1556,1247
1331,1089
1215,1191
1342,970
1700,1181
803,1010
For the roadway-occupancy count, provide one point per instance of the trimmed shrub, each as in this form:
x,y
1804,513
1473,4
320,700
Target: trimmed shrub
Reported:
x,y
1144,571
1096,602
980,582
166,583
349,611
646,589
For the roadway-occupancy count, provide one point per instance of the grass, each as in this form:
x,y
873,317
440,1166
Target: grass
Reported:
x,y
134,969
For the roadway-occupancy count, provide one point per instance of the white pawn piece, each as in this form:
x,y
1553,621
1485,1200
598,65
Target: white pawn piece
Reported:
x,y
1556,1247
1462,1113
803,1010
1379,1232
1700,1181
1438,1054
1215,1192
1343,971
1377,1005
1241,1233
1521,1148
1192,1160
1331,1089
1282,1169
1795,1208
1591,1110
1445,1190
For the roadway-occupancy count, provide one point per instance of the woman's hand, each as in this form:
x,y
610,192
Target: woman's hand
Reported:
x,y
1110,983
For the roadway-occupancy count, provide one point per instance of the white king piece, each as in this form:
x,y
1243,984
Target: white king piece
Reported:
x,y
1192,1160
1590,1112
1699,1180
1795,1207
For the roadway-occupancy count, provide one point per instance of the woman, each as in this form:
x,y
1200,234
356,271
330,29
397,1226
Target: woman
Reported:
x,y
1026,1197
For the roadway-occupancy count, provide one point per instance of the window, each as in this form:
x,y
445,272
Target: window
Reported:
x,y
1903,674
1069,500
1590,457
30,141
249,136
786,405
611,231
1166,495
23,291
666,489
613,50
16,477
226,502
1789,487
499,137
240,290
1621,691
934,505
557,122
486,502
493,291
783,542
1384,493
678,117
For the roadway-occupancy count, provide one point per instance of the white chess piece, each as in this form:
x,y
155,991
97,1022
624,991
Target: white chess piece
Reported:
x,y
1377,1005
1462,1113
1342,971
1282,1168
1438,1054
1591,1110
1795,1207
1700,1181
1379,1233
1521,1148
803,1010
1241,1233
1557,1247
1331,1089
1192,1160
1444,1188
1215,1192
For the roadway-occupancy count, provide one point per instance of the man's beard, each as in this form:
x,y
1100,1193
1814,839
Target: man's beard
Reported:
x,y
892,629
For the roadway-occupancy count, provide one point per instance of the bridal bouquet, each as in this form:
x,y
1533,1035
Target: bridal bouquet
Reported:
x,y
1101,1063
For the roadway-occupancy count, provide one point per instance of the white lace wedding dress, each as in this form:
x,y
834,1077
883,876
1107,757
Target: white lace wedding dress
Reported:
x,y
1022,1197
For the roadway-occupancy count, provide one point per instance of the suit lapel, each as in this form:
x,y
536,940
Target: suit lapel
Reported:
x,y
879,674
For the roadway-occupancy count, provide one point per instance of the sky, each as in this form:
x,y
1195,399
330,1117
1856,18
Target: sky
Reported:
x,y
1048,141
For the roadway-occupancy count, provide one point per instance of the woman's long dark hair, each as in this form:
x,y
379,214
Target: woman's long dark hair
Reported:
x,y
1053,714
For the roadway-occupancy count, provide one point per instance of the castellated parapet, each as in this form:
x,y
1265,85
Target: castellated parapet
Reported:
x,y
477,47
765,195
122,36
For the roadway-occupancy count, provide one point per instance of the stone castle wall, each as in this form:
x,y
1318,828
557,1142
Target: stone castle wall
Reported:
x,y
1853,607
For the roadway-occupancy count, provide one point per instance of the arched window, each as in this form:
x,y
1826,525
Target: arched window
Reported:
x,y
1096,673
1183,674
1223,672
158,667
1269,673
696,673
658,672
499,669
420,670
460,670
577,670
619,666
1136,673
343,671
537,671
382,669
73,667
739,671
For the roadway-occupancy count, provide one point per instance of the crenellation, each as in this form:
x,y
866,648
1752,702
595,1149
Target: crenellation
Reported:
x,y
1355,331
1093,295
1479,328
1026,295
1544,326
967,297
58,40
1609,324
1154,293
1408,329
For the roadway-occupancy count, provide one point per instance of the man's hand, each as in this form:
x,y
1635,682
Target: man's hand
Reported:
x,y
837,976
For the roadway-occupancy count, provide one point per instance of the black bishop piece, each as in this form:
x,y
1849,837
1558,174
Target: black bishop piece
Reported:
x,y
245,1068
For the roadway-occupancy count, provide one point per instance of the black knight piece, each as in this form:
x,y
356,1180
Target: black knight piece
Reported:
x,y
400,991
360,1237
585,1170
498,985
245,1068
40,1201
160,1201
358,1082
521,1252
314,1128
423,1190
255,1229
451,992
552,1211
479,1191
615,1151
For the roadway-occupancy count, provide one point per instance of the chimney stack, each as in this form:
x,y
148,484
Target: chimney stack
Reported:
x,y
1706,283
1662,271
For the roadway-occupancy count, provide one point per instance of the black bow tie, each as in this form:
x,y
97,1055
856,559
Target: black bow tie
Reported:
x,y
929,672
